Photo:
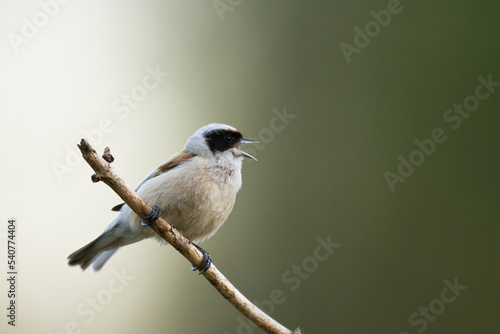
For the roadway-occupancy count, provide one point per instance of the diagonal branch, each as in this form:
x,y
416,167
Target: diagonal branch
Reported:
x,y
105,172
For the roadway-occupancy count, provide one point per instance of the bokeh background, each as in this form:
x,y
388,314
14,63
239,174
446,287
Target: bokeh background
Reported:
x,y
320,172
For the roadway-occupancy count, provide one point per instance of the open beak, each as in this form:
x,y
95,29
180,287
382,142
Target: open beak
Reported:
x,y
247,141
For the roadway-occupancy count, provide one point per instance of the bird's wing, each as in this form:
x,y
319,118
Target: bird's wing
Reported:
x,y
168,165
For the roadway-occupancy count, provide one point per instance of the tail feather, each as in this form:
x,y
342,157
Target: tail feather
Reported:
x,y
100,260
97,252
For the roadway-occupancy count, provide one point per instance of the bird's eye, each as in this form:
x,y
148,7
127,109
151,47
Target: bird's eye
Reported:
x,y
228,138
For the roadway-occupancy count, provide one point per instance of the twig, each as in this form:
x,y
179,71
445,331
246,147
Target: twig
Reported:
x,y
104,172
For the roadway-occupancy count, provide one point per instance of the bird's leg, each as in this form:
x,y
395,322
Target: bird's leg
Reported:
x,y
205,262
153,216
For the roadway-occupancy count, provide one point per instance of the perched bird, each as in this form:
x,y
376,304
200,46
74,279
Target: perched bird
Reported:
x,y
194,191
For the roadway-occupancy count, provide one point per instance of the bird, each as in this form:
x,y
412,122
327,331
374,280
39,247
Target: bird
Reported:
x,y
194,190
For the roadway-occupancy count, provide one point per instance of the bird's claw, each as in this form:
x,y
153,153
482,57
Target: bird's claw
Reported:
x,y
153,216
205,263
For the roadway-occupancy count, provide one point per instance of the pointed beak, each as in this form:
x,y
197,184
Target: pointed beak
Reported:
x,y
247,141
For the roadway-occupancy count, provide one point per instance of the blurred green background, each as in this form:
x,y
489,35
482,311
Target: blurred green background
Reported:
x,y
320,172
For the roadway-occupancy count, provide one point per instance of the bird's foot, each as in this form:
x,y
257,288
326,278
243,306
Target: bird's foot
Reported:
x,y
153,216
205,262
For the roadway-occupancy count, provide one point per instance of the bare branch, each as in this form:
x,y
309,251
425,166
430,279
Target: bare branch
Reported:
x,y
104,172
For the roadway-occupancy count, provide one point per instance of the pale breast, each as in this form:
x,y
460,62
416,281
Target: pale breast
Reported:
x,y
195,198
